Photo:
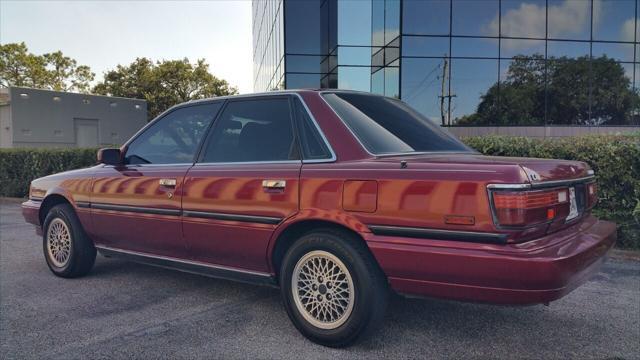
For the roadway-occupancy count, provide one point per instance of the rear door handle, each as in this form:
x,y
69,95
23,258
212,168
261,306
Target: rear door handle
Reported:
x,y
274,184
167,182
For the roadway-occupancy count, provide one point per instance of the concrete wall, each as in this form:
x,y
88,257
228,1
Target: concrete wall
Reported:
x,y
540,131
42,118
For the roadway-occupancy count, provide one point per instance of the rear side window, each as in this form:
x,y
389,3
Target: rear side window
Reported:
x,y
252,130
174,138
313,146
384,125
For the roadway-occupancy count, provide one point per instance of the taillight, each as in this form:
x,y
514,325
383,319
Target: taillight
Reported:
x,y
521,208
592,195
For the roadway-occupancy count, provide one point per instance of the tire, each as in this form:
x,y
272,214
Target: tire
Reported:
x,y
353,271
67,249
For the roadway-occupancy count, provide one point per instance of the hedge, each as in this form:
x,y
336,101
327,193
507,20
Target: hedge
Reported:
x,y
615,159
19,166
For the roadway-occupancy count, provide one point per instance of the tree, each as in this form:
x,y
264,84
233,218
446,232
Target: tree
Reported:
x,y
52,71
523,99
164,83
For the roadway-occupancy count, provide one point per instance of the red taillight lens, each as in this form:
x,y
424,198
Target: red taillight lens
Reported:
x,y
592,195
520,208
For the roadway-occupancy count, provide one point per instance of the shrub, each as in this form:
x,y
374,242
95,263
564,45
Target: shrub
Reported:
x,y
19,166
615,160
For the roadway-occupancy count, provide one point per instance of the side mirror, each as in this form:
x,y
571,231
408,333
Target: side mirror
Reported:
x,y
109,156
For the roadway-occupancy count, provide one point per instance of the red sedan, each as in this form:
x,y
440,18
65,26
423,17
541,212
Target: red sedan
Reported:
x,y
335,197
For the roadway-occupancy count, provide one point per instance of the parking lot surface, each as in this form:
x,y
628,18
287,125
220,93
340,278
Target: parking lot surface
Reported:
x,y
125,310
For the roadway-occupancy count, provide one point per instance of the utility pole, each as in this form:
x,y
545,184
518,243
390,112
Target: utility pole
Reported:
x,y
446,116
442,96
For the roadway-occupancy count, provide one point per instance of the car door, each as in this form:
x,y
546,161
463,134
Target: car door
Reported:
x,y
244,183
136,206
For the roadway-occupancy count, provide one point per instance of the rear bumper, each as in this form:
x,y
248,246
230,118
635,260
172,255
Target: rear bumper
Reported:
x,y
31,213
537,271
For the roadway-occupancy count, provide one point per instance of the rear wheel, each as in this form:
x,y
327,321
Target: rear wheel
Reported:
x,y
67,249
332,288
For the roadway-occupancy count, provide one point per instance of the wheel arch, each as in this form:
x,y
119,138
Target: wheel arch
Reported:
x,y
292,231
49,202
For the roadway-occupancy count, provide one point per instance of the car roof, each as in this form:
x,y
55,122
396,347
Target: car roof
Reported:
x,y
272,93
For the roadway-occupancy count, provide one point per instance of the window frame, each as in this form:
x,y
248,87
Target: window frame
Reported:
x,y
294,123
125,148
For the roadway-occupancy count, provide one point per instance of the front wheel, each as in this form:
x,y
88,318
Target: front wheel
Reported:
x,y
332,287
67,249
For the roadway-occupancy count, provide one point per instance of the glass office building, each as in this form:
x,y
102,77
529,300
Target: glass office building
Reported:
x,y
461,62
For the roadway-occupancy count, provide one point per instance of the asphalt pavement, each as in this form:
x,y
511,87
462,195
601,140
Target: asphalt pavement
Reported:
x,y
126,310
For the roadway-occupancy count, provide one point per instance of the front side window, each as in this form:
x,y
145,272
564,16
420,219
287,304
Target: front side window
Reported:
x,y
384,125
252,130
173,139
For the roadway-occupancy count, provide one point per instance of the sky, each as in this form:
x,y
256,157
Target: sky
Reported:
x,y
103,34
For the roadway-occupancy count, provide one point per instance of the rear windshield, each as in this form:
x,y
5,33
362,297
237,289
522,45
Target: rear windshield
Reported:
x,y
384,125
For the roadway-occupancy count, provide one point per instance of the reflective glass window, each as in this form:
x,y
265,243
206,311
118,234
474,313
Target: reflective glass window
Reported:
x,y
475,17
421,85
354,22
521,93
174,138
568,92
377,82
302,27
569,49
425,17
522,18
354,78
301,81
377,22
425,46
354,55
391,20
303,63
247,131
392,82
569,19
472,47
614,19
514,47
618,51
473,83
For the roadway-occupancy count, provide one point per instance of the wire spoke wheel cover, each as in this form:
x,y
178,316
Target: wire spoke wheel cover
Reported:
x,y
58,242
323,289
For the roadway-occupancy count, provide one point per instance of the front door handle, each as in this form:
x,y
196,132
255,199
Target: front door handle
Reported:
x,y
167,182
274,184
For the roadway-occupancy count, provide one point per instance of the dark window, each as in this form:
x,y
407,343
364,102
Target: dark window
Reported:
x,y
173,139
302,81
385,125
252,130
302,27
313,146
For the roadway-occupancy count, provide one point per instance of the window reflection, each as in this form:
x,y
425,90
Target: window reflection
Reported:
x,y
354,22
470,79
425,17
354,78
614,20
425,46
470,47
471,16
526,19
569,19
569,49
421,84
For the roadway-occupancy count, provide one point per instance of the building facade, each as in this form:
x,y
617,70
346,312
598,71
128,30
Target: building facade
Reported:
x,y
54,119
461,62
